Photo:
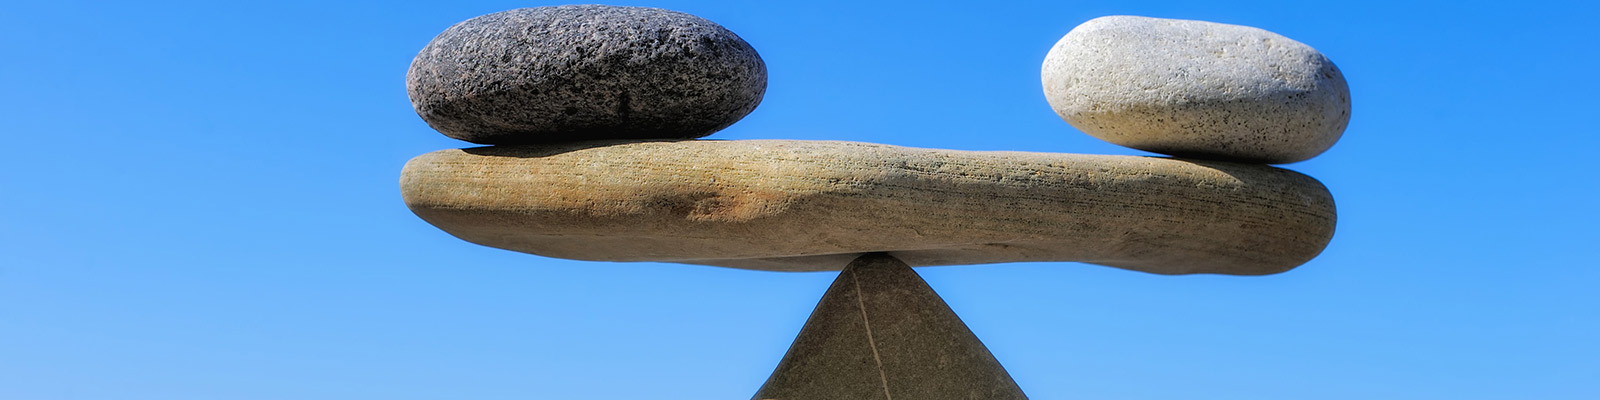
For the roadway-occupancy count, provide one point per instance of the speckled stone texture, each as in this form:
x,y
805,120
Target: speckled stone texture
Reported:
x,y
584,72
881,333
1197,89
786,205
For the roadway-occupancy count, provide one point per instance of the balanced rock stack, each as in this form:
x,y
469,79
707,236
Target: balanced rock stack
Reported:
x,y
584,89
592,111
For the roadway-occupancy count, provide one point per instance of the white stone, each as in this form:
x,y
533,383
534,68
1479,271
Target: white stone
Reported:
x,y
1197,89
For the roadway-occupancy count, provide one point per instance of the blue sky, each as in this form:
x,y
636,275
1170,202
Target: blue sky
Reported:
x,y
199,201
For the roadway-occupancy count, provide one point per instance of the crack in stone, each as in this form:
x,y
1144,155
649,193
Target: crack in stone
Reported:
x,y
861,303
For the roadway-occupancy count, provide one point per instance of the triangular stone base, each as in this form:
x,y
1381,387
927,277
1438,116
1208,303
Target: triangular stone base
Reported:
x,y
881,333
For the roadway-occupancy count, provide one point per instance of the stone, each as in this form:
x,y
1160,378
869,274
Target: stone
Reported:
x,y
584,72
785,205
881,333
1197,89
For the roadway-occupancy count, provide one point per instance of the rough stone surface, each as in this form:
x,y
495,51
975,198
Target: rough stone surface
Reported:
x,y
881,333
1197,89
814,205
584,72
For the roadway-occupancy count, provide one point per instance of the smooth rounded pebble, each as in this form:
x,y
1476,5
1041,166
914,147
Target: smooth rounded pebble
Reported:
x,y
1197,89
584,72
787,205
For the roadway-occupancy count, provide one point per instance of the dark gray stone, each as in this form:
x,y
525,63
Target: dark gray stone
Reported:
x,y
584,72
881,333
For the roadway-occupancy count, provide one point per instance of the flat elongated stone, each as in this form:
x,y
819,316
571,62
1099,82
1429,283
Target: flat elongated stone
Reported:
x,y
881,333
1197,89
814,205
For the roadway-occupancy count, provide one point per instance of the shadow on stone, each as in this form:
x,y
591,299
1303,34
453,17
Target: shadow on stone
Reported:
x,y
881,333
538,150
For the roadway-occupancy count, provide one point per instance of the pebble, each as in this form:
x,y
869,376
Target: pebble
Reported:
x,y
1197,89
584,72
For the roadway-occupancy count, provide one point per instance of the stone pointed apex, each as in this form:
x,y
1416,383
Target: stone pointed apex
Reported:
x,y
881,333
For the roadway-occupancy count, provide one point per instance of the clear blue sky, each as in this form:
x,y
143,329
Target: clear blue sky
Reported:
x,y
199,200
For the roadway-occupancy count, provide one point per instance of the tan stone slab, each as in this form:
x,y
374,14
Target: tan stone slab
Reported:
x,y
785,205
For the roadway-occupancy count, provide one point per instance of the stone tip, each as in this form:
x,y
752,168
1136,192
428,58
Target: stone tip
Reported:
x,y
880,332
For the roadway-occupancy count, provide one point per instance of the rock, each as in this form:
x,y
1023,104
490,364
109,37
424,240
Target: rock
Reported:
x,y
584,72
815,205
881,333
1197,89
